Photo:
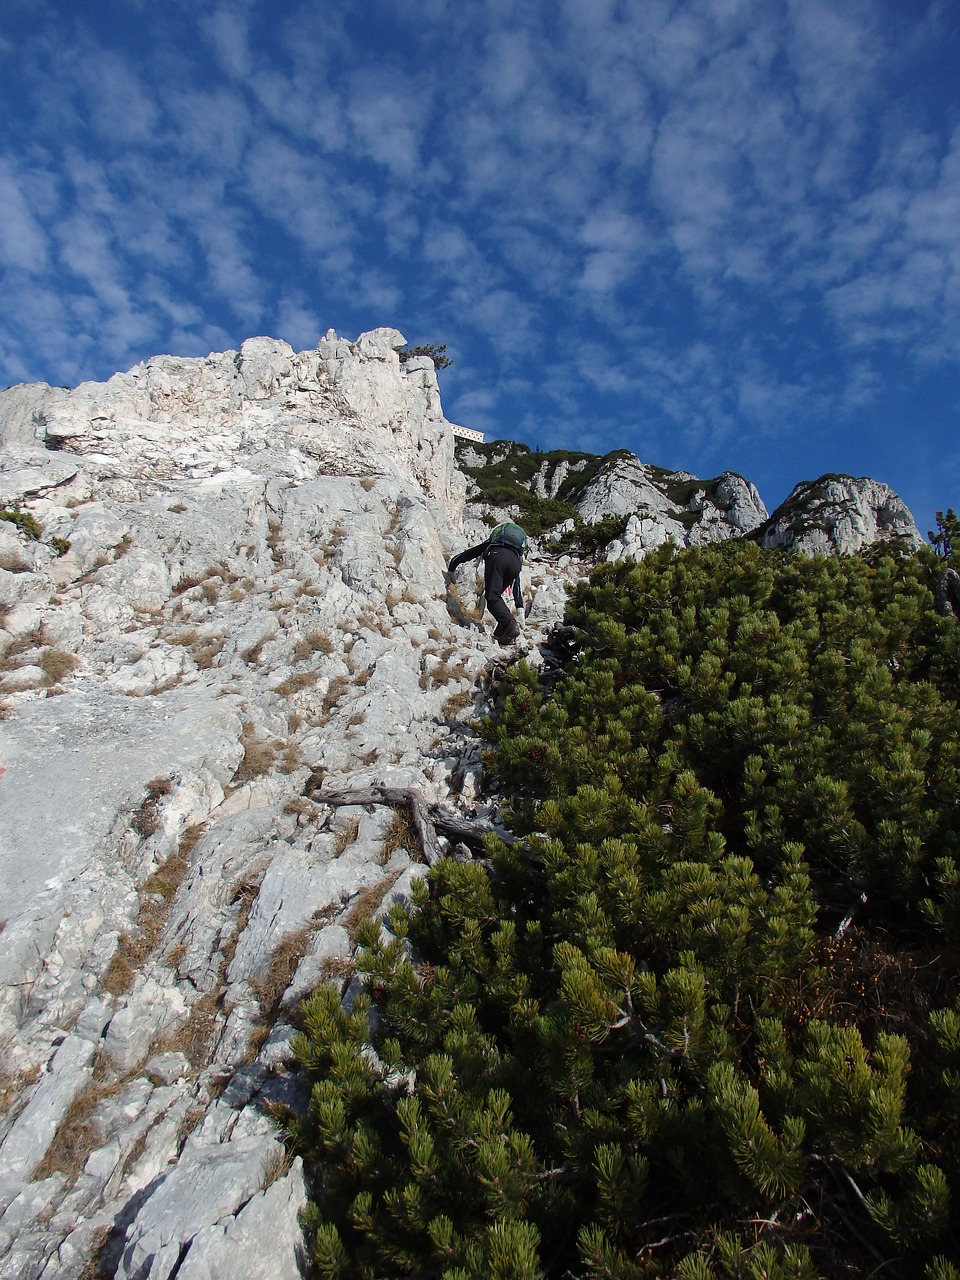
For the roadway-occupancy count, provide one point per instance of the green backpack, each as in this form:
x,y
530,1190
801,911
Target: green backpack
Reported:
x,y
509,535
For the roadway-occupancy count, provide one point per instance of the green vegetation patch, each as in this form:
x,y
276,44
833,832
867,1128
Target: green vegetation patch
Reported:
x,y
504,480
703,1020
24,521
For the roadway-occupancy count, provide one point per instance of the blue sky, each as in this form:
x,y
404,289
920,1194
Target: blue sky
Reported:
x,y
721,233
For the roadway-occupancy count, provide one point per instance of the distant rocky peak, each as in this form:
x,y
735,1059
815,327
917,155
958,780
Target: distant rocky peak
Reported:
x,y
839,513
652,505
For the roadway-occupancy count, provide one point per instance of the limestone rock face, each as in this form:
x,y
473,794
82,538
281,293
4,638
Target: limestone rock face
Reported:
x,y
656,505
669,506
351,407
839,514
225,586
833,514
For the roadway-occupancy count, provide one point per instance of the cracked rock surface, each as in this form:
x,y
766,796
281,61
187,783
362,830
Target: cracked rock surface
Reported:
x,y
238,592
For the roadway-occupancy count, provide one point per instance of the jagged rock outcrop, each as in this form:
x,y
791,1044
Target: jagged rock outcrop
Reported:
x,y
237,590
839,514
669,506
833,514
657,505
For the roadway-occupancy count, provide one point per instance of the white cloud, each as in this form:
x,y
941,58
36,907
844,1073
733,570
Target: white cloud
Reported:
x,y
297,323
226,30
291,187
121,106
211,125
23,241
386,114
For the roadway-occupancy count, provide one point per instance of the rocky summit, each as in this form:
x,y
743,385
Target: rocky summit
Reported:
x,y
228,646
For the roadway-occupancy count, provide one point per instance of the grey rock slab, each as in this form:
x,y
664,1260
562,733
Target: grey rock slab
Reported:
x,y
20,408
73,764
208,1185
153,1011
27,1142
840,513
295,887
29,482
262,1242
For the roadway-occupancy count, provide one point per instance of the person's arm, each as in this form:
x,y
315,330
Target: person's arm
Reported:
x,y
518,594
471,553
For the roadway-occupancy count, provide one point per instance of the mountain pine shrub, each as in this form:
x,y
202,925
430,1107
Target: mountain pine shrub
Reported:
x,y
703,1019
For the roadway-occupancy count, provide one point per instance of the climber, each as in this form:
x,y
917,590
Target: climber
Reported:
x,y
947,594
502,559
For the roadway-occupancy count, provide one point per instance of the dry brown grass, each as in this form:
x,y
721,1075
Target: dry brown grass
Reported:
x,y
291,759
191,838
346,836
297,682
399,835
206,651
215,571
74,1139
97,1266
281,1162
259,755
284,963
14,562
175,956
367,483
187,639
368,901
343,968
337,688
146,820
57,664
157,894
301,806
315,641
456,703
251,655
22,644
13,1085
178,508
76,1136
275,541
443,672
195,1037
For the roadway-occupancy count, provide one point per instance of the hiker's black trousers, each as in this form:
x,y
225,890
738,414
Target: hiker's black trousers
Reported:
x,y
501,568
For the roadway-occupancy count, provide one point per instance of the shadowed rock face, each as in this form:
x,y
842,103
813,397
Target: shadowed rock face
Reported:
x,y
237,589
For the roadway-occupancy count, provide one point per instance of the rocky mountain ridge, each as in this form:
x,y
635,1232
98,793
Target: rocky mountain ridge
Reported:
x,y
222,597
831,514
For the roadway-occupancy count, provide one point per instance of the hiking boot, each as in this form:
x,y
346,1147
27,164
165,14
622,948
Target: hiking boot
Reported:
x,y
507,631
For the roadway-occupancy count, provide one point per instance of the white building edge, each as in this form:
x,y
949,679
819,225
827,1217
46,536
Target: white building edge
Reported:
x,y
466,434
